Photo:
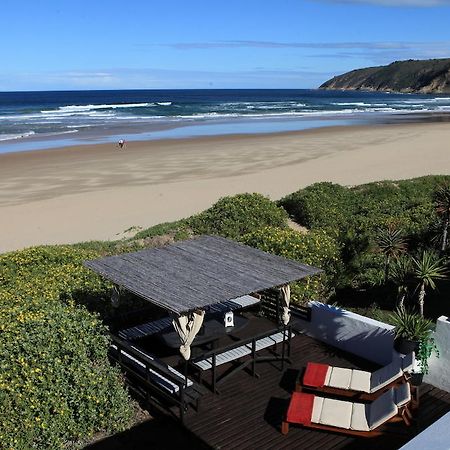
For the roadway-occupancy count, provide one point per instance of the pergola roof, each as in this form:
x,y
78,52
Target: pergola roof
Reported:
x,y
192,274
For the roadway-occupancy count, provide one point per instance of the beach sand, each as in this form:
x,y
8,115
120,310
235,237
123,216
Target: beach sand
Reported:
x,y
95,192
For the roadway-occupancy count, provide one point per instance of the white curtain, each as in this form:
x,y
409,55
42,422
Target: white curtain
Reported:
x,y
285,292
115,296
187,326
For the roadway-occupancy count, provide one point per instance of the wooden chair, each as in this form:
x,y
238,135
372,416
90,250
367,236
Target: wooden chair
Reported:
x,y
355,383
340,416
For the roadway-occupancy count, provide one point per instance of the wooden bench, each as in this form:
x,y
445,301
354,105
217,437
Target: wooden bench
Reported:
x,y
153,379
145,329
156,326
245,301
241,349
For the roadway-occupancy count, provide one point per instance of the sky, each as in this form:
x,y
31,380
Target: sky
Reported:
x,y
153,44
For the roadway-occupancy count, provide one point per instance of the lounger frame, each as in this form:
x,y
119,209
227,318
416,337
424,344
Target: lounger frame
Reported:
x,y
404,414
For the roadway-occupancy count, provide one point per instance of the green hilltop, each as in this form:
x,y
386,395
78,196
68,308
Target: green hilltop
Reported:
x,y
414,76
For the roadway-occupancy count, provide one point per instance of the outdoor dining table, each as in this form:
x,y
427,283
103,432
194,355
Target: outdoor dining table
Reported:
x,y
212,330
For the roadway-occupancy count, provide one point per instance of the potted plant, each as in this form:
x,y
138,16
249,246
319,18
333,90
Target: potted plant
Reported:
x,y
427,346
410,330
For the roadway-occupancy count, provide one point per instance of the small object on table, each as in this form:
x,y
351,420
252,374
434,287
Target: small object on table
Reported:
x,y
229,319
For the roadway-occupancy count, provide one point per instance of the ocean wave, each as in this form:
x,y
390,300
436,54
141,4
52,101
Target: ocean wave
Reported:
x,y
164,103
427,100
10,137
77,108
352,104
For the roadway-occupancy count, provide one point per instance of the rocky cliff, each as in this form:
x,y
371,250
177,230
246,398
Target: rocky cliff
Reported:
x,y
419,76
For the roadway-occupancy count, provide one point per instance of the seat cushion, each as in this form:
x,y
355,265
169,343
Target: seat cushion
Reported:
x,y
317,409
382,409
300,408
340,378
315,374
407,362
359,420
336,413
402,394
382,377
360,381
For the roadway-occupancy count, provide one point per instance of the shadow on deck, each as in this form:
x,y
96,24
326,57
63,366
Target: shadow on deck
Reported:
x,y
247,413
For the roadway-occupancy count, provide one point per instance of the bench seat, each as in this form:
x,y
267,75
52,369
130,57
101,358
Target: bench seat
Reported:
x,y
239,352
156,377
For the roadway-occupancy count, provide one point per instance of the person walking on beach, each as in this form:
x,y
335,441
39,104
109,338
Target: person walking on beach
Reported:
x,y
121,143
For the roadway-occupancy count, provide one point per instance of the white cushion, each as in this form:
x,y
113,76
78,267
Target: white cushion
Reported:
x,y
359,417
340,378
336,413
328,375
317,409
360,381
407,362
382,409
402,394
387,374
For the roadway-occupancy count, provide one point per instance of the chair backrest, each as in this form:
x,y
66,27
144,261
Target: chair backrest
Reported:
x,y
407,362
382,377
402,394
382,409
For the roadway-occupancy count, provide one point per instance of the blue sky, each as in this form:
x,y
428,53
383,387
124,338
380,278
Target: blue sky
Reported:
x,y
99,44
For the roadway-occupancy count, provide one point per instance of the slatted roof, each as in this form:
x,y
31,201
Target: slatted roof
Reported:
x,y
193,274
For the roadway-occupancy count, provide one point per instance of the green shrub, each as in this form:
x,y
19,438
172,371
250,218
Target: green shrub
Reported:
x,y
354,215
56,384
234,216
315,248
321,205
178,229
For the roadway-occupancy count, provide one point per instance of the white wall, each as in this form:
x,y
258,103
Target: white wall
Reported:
x,y
439,368
435,437
368,338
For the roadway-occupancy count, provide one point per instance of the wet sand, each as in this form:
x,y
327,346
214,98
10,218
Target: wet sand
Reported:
x,y
93,192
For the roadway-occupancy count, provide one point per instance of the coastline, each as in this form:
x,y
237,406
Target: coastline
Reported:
x,y
93,192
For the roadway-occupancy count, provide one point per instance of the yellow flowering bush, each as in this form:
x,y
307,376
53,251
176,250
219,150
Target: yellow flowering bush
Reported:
x,y
315,248
56,385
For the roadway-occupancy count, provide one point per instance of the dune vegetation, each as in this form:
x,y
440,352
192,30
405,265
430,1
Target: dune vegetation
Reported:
x,y
379,244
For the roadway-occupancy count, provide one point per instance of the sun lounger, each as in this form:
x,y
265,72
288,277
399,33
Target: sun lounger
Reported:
x,y
359,419
355,383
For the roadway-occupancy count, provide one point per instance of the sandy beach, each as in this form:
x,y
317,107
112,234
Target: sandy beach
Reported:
x,y
76,194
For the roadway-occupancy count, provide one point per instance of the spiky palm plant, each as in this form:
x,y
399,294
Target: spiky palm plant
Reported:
x,y
441,199
428,268
391,243
401,275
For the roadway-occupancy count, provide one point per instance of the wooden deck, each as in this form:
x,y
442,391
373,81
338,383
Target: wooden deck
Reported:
x,y
247,413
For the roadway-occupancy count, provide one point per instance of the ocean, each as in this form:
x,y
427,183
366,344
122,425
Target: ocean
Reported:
x,y
36,120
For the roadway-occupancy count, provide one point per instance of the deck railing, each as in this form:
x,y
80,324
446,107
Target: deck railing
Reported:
x,y
145,378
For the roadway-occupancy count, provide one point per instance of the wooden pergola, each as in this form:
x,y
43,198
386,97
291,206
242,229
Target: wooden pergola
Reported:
x,y
196,273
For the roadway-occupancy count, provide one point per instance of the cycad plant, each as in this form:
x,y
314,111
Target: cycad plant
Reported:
x,y
441,199
428,268
391,243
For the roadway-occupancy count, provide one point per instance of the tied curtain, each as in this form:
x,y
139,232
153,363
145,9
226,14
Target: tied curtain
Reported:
x,y
115,296
285,292
187,326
